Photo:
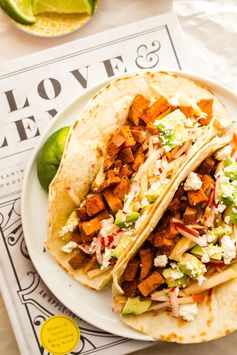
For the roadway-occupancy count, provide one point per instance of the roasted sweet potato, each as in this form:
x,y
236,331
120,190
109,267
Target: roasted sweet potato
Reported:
x,y
108,163
126,155
171,230
146,257
115,144
102,215
150,283
188,111
129,140
81,212
190,215
139,104
89,229
131,269
152,112
125,171
174,206
207,166
138,161
110,174
113,201
197,197
117,166
78,260
207,183
122,188
206,106
130,288
180,192
164,244
77,238
94,205
138,135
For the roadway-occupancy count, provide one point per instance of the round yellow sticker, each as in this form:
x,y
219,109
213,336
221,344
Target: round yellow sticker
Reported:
x,y
59,334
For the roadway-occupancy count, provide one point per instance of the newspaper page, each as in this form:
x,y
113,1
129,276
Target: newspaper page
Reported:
x,y
32,90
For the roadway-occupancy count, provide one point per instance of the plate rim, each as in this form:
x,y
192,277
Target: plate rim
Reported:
x,y
212,84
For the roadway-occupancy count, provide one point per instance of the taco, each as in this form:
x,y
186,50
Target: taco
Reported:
x,y
121,157
178,282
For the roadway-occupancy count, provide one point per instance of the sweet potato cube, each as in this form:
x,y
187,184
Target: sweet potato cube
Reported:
x,y
207,166
190,215
146,257
115,144
188,111
137,107
207,182
206,106
89,229
126,155
77,238
130,288
197,197
113,201
125,171
122,188
152,112
82,214
102,215
94,205
110,174
131,269
78,260
138,135
129,140
171,230
138,161
150,283
117,166
174,206
108,163
180,192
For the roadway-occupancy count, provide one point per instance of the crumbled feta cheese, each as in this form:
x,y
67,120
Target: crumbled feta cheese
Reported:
x,y
69,247
229,250
221,207
193,182
205,258
224,152
210,237
201,279
66,229
144,202
188,311
106,258
161,261
176,274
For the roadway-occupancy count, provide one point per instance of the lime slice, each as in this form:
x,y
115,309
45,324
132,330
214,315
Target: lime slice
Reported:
x,y
63,6
50,156
19,10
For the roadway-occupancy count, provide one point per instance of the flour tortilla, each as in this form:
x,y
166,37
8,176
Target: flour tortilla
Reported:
x,y
104,114
217,314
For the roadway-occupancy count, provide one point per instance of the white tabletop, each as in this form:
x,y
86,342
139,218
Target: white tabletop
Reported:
x,y
210,30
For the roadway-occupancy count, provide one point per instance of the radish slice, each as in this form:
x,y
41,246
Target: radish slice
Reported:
x,y
211,198
196,226
235,235
174,301
154,156
157,307
191,234
73,196
182,150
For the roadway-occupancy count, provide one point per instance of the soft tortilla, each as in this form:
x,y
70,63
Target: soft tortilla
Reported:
x,y
217,313
88,137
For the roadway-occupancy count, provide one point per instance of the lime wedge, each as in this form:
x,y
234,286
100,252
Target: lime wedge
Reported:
x,y
63,6
50,155
19,10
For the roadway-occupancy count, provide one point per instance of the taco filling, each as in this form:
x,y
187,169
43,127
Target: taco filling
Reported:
x,y
140,160
193,247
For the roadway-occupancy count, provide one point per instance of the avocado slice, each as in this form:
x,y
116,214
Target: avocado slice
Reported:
x,y
174,282
135,306
213,251
192,266
69,227
128,222
123,243
228,193
231,212
154,192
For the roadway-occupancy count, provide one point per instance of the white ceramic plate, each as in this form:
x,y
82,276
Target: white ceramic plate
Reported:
x,y
90,305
